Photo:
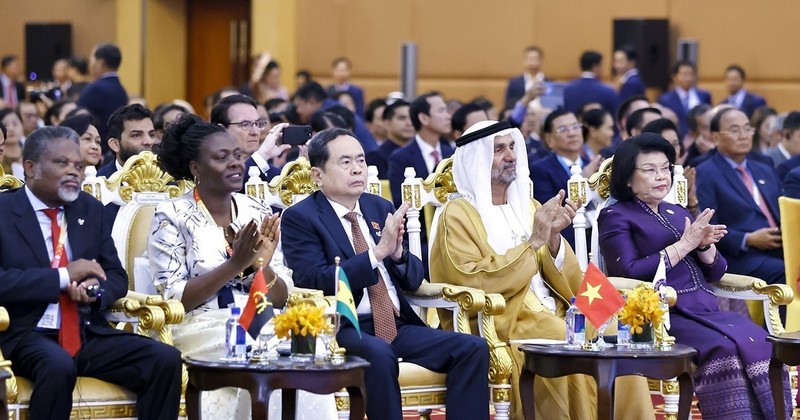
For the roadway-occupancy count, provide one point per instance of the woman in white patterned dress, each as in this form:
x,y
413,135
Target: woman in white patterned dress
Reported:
x,y
204,247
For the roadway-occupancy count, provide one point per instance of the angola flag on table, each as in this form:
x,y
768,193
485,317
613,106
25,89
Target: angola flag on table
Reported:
x,y
345,304
258,310
597,298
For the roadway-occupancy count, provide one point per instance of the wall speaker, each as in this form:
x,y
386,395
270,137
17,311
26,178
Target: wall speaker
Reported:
x,y
650,39
44,44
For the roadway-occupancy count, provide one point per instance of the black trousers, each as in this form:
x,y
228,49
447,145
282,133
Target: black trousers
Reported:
x,y
147,367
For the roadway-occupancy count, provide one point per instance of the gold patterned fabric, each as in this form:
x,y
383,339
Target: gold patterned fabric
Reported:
x,y
461,255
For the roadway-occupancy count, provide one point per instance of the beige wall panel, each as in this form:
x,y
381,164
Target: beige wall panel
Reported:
x,y
757,35
319,32
275,28
87,28
165,72
129,18
471,38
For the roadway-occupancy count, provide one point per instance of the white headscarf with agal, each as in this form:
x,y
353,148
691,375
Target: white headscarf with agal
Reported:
x,y
472,173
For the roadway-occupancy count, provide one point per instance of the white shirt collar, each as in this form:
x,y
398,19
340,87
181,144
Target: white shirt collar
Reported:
x,y
341,210
426,148
737,99
116,163
628,74
785,152
588,75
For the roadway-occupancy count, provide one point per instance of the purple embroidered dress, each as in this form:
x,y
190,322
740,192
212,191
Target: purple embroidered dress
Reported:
x,y
731,379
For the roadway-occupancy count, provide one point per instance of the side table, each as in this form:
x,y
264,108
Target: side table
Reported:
x,y
551,361
785,350
208,372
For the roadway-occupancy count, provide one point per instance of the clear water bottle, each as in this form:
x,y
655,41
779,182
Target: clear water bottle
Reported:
x,y
235,337
623,334
576,326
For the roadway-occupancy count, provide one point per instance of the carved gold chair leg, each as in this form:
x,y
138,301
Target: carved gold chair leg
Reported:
x,y
671,394
342,404
500,363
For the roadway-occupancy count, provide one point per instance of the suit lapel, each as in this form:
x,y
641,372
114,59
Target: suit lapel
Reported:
x,y
735,180
27,224
333,225
76,228
373,218
419,161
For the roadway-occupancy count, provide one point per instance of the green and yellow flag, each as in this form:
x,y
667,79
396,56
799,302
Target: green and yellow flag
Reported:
x,y
345,304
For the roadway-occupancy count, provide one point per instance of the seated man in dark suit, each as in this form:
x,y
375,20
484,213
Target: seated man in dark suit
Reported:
x,y
106,94
517,86
684,94
786,167
744,193
791,184
564,135
789,145
625,60
738,96
373,119
239,116
399,131
588,88
130,132
58,330
366,232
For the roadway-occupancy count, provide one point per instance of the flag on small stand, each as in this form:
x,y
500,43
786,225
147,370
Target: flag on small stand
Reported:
x,y
597,298
258,310
345,304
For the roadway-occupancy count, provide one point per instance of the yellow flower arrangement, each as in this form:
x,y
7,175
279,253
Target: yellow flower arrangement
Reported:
x,y
302,319
643,305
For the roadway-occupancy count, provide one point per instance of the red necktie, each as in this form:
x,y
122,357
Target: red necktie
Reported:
x,y
379,300
11,94
762,204
69,336
436,158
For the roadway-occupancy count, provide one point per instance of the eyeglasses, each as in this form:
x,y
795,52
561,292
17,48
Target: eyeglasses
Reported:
x,y
246,125
564,128
651,171
737,131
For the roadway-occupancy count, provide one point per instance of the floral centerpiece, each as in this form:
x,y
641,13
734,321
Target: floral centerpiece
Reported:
x,y
301,323
643,312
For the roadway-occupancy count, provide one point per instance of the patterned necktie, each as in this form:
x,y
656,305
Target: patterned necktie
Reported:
x,y
69,336
436,158
11,94
762,204
382,306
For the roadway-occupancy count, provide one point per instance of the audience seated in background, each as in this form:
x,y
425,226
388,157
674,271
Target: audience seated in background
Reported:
x,y
638,119
106,94
373,119
624,65
684,94
762,120
399,132
83,125
58,331
164,115
641,231
789,145
340,220
738,96
130,131
12,158
496,239
589,88
464,117
598,132
564,136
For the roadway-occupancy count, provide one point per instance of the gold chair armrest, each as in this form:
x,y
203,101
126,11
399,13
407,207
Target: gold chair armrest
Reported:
x,y
5,321
428,290
736,282
779,294
173,308
149,317
500,362
300,293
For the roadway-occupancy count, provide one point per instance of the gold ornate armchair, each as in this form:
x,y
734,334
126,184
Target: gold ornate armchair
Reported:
x,y
731,286
420,389
93,398
430,195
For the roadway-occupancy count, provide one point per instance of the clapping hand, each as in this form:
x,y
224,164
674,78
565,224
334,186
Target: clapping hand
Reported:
x,y
270,235
551,218
391,243
247,245
701,233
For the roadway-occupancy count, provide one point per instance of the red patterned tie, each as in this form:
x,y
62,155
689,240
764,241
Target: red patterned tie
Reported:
x,y
436,158
382,306
748,183
68,335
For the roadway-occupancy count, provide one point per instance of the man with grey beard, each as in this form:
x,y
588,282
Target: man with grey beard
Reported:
x,y
56,284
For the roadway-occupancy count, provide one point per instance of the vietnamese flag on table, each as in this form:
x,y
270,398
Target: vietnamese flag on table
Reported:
x,y
597,298
258,310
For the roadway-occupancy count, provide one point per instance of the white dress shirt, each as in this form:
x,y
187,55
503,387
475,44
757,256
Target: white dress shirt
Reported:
x,y
46,227
427,151
364,307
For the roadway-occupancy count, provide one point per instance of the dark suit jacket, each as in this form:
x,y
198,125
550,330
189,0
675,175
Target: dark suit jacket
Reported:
x,y
356,92
786,167
28,284
699,159
313,236
272,172
515,90
632,86
108,169
20,91
791,184
410,155
672,101
750,104
720,187
548,177
584,90
380,158
102,98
